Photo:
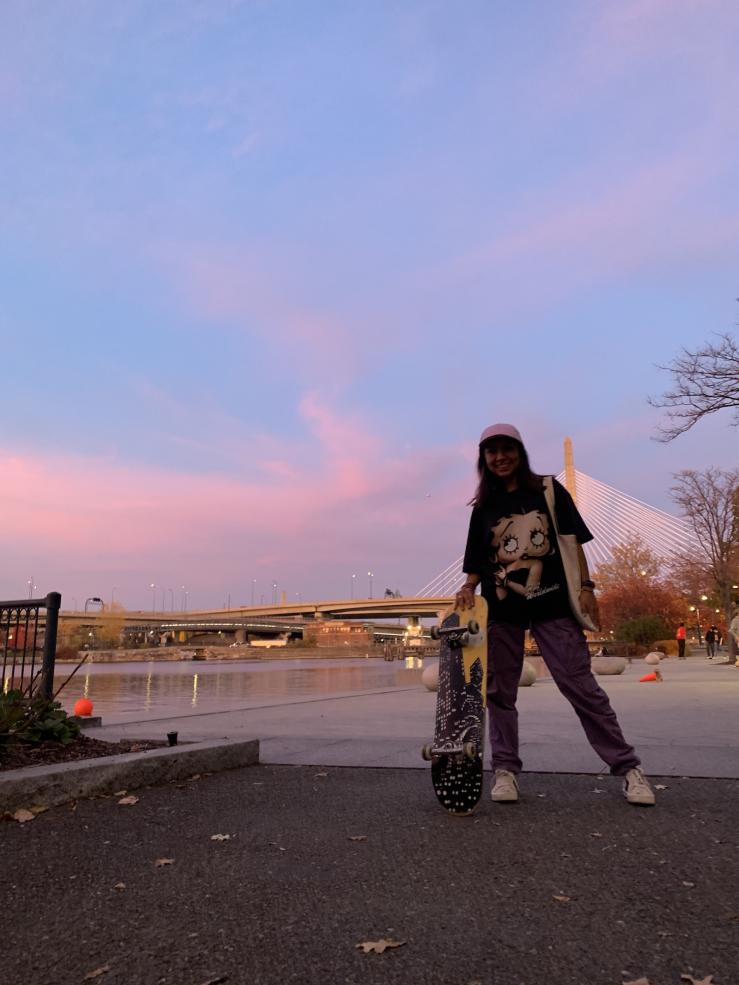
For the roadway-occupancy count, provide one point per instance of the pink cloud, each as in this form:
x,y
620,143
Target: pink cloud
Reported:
x,y
355,502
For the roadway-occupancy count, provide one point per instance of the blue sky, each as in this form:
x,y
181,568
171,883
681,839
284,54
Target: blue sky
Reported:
x,y
269,268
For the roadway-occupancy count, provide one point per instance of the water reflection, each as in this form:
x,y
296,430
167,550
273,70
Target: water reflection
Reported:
x,y
159,689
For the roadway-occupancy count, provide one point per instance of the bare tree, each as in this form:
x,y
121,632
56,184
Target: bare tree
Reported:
x,y
703,382
710,502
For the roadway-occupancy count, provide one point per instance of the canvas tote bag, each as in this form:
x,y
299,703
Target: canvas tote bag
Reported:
x,y
570,562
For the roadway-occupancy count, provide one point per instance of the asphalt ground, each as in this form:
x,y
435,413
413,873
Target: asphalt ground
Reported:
x,y
644,892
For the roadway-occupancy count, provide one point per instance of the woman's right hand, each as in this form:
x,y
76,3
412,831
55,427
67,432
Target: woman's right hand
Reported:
x,y
465,597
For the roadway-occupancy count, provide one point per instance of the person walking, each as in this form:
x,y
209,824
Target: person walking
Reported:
x,y
680,636
524,551
711,635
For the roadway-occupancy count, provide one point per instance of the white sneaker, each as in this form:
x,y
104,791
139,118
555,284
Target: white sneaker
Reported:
x,y
637,789
505,789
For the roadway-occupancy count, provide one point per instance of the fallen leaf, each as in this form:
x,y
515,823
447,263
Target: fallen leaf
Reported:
x,y
220,837
163,861
690,885
195,776
563,899
638,981
39,809
661,786
357,837
120,793
597,790
320,774
216,981
697,981
378,946
96,973
126,801
22,815
596,834
120,886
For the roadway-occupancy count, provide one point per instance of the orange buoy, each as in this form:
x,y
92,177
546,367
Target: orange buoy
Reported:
x,y
83,707
648,677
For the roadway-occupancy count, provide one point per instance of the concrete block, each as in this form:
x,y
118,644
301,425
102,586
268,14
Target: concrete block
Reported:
x,y
608,665
528,675
430,676
61,782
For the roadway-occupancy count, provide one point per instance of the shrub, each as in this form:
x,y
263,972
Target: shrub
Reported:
x,y
643,630
34,720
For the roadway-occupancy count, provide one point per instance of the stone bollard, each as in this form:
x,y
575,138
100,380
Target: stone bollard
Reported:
x,y
528,675
430,677
608,665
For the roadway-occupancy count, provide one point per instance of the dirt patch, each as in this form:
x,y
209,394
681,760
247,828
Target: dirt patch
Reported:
x,y
17,755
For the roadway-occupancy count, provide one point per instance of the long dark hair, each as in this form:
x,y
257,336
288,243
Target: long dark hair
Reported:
x,y
489,487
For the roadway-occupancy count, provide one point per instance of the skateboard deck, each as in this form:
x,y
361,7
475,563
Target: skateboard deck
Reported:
x,y
459,735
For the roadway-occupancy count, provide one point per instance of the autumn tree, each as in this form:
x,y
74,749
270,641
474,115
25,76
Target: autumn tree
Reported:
x,y
703,382
635,586
709,501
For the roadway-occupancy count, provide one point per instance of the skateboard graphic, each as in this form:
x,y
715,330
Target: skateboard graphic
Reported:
x,y
459,734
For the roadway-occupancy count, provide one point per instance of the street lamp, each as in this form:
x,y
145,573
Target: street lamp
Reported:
x,y
31,587
184,598
370,575
253,589
274,593
171,600
352,584
153,588
96,600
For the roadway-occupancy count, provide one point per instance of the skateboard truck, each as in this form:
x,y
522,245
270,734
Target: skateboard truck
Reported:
x,y
456,636
465,750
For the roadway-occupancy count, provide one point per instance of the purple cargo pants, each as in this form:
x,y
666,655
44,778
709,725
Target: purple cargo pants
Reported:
x,y
565,652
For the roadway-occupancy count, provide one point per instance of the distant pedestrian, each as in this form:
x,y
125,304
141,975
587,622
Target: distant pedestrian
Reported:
x,y
524,549
711,642
680,636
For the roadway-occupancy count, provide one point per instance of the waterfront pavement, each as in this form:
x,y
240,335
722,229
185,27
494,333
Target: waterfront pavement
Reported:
x,y
572,886
686,725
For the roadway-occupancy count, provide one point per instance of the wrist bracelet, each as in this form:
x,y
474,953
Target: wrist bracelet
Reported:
x,y
587,584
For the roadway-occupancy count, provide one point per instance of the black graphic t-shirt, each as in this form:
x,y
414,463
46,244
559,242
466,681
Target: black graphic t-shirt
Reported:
x,y
513,547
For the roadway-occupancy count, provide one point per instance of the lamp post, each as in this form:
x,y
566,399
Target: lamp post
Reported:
x,y
171,600
370,575
354,578
96,600
184,597
274,593
31,587
153,588
253,589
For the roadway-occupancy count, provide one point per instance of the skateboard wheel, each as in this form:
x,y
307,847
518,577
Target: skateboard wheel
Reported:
x,y
464,639
474,627
470,750
434,631
426,753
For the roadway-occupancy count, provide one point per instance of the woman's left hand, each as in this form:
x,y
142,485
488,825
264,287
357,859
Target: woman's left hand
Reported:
x,y
589,606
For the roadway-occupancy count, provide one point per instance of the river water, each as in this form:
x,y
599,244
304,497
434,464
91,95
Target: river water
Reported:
x,y
133,691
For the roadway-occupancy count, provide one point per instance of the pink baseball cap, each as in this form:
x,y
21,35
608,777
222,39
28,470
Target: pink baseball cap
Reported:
x,y
501,431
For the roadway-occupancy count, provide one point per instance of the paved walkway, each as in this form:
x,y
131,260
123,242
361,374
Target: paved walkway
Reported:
x,y
685,726
572,886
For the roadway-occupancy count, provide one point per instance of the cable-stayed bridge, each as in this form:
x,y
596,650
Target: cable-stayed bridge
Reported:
x,y
612,517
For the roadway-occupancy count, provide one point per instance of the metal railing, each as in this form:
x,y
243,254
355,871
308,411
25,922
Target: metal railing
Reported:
x,y
28,631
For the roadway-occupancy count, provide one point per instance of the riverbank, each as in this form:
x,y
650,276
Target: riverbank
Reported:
x,y
170,654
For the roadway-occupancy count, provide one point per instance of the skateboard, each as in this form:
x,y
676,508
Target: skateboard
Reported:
x,y
459,734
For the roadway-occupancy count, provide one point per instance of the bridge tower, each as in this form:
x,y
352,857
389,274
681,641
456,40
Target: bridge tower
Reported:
x,y
570,482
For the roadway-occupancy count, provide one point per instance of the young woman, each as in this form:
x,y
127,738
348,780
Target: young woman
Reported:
x,y
515,552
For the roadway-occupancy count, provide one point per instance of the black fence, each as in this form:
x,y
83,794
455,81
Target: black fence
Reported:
x,y
28,644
